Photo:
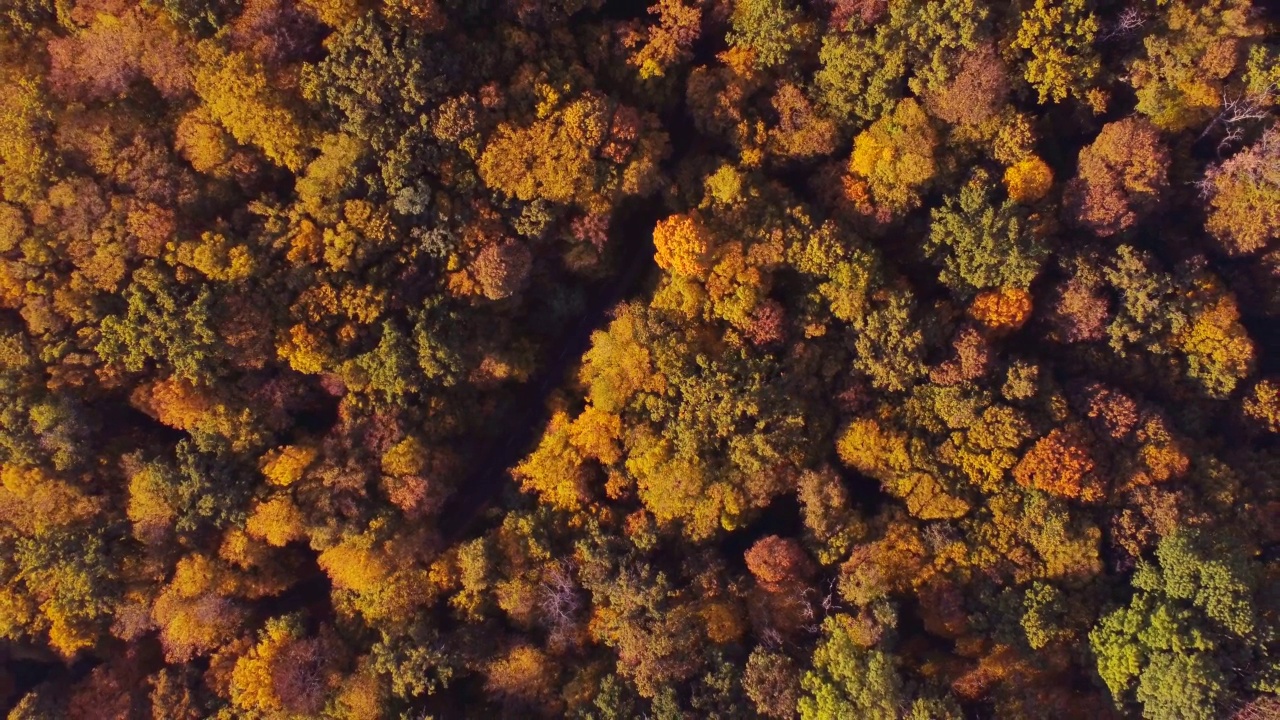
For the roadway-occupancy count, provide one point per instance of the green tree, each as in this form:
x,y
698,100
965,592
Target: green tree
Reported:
x,y
983,247
164,323
848,680
1192,637
889,346
771,29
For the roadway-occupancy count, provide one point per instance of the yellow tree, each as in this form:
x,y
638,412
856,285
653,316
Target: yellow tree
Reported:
x,y
894,159
235,90
24,161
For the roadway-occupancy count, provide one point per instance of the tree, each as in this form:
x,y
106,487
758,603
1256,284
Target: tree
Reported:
x,y
24,120
848,679
1180,79
1028,180
772,681
861,78
503,269
563,157
1244,196
1121,177
1060,464
976,91
1059,38
1189,639
776,562
194,614
164,323
894,159
669,42
771,29
235,90
1218,348
683,245
983,247
889,349
523,677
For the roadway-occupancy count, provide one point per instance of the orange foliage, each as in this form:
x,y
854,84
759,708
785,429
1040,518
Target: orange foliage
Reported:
x,y
683,245
1060,463
1028,180
1005,309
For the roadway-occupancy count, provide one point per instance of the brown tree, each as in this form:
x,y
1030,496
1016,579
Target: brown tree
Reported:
x,y
1121,177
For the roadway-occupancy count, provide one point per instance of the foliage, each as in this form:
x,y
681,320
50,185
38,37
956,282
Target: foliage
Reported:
x,y
679,359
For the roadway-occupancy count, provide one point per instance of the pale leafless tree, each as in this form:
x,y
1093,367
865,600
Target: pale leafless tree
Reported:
x,y
559,597
1239,113
1126,25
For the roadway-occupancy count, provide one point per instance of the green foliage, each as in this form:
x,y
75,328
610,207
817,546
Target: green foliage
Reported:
x,y
162,323
983,247
1192,623
524,358
771,29
861,78
849,680
889,347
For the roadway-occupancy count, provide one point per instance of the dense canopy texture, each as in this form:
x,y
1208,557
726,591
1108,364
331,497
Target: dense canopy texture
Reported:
x,y
616,359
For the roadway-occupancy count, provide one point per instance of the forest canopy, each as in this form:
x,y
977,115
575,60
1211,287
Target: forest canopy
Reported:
x,y
609,359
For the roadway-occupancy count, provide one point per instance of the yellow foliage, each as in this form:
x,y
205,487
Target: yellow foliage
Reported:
x,y
306,245
873,450
926,498
352,565
407,457
304,350
725,185
679,488
193,616
553,159
286,465
1002,309
234,88
524,673
1059,36
215,257
24,163
1219,350
555,469
682,245
1015,139
253,677
362,696
336,14
66,636
149,509
18,613
34,502
895,157
1029,180
596,433
1262,405
203,142
618,364
680,295
278,521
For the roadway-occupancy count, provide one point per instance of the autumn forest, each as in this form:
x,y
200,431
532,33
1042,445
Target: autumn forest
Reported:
x,y
621,359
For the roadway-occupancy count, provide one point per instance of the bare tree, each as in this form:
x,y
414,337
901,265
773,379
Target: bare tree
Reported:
x,y
1238,114
1126,25
559,596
